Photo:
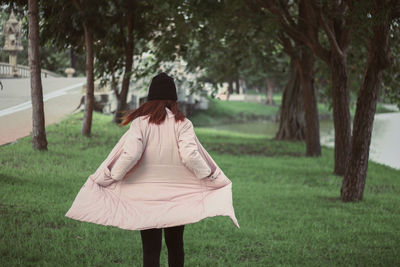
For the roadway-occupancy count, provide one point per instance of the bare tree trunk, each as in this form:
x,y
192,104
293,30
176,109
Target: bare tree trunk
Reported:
x,y
39,140
270,91
306,70
341,111
378,59
237,85
291,121
89,98
304,60
230,87
129,49
313,16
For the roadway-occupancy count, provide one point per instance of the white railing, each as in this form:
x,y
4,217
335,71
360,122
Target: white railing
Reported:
x,y
6,71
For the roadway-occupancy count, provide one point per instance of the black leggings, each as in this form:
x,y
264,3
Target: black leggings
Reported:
x,y
151,241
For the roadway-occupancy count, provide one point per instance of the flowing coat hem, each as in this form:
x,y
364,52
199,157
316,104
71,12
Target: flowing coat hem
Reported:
x,y
132,205
93,195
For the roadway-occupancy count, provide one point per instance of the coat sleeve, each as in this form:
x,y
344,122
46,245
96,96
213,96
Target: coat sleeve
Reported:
x,y
189,151
131,152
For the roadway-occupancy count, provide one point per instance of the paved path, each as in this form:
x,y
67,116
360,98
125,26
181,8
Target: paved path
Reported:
x,y
61,96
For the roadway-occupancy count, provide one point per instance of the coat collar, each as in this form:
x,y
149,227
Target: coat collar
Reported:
x,y
169,112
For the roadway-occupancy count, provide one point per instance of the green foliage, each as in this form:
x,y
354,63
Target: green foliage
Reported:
x,y
52,58
287,206
224,41
220,40
391,76
146,18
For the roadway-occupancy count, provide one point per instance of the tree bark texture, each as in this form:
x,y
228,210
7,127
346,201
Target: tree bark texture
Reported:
x,y
89,97
337,28
129,49
39,140
378,59
341,111
306,70
291,121
332,18
230,87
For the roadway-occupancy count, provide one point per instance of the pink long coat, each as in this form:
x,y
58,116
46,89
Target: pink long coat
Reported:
x,y
159,180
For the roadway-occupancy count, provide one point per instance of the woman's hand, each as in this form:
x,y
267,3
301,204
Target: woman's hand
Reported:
x,y
105,180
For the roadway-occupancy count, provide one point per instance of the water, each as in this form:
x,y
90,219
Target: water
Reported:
x,y
385,145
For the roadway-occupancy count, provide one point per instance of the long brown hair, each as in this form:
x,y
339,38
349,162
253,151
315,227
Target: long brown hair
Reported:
x,y
155,109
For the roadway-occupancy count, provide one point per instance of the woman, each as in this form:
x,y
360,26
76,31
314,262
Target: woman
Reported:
x,y
158,176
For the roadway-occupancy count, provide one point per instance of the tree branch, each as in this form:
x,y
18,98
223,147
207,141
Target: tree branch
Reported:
x,y
299,37
285,10
78,7
329,33
291,30
288,47
395,11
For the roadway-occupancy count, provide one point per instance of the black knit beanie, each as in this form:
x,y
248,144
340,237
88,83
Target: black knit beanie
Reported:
x,y
162,87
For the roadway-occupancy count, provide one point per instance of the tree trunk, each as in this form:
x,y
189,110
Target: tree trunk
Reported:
x,y
230,88
291,121
341,111
89,98
378,59
237,85
39,140
129,47
270,91
114,85
243,86
306,71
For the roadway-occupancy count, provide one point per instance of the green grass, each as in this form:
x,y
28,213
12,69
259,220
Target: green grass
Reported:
x,y
287,206
227,112
221,112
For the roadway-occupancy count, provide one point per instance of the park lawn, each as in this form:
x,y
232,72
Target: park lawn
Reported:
x,y
287,206
226,112
222,112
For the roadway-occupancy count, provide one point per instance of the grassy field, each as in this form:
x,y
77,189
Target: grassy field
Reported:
x,y
222,112
287,206
225,112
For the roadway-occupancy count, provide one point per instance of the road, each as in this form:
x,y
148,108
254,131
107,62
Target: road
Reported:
x,y
61,96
